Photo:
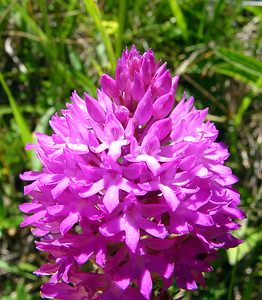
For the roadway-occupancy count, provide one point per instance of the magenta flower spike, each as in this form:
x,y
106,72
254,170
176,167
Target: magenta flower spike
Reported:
x,y
133,189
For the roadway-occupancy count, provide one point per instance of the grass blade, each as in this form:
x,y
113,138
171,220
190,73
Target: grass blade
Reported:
x,y
203,20
41,127
15,270
93,10
44,10
238,74
239,66
220,5
252,240
235,72
23,128
241,61
178,14
31,22
21,292
6,11
121,26
247,100
257,11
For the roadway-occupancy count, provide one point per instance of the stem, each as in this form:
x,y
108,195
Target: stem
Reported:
x,y
232,279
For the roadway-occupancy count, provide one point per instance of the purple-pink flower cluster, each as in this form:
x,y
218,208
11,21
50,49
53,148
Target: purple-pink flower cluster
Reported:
x,y
133,189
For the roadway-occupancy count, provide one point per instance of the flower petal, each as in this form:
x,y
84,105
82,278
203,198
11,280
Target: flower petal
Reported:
x,y
132,235
94,109
169,196
144,109
145,284
69,222
111,198
157,230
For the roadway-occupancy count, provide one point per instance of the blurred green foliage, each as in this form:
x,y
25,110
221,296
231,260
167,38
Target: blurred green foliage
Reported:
x,y
50,48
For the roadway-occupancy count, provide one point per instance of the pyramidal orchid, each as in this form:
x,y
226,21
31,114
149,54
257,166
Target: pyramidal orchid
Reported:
x,y
133,189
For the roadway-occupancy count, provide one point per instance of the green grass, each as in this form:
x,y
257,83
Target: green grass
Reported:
x,y
94,11
50,48
21,123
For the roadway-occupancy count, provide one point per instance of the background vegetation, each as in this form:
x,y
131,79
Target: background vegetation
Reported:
x,y
49,48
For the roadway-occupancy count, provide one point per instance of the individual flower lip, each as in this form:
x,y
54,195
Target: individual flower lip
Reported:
x,y
133,183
